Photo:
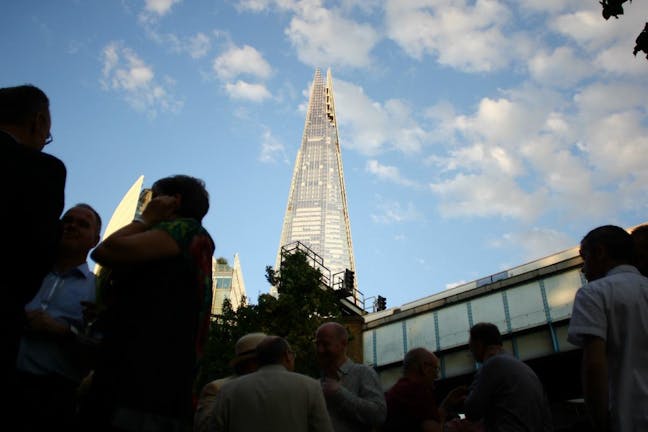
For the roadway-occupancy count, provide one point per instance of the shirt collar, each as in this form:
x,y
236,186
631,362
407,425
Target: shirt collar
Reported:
x,y
345,367
623,268
82,270
273,367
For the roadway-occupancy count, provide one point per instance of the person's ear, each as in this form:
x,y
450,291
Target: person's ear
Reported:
x,y
178,201
40,122
421,368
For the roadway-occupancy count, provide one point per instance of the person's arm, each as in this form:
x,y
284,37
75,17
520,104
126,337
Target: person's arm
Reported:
x,y
431,426
205,408
318,417
479,394
136,242
588,329
39,321
219,419
595,381
368,406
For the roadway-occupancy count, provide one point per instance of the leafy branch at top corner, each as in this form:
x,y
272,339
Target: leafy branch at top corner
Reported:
x,y
614,8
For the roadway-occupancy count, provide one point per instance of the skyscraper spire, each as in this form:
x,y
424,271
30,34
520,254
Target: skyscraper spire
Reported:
x,y
317,214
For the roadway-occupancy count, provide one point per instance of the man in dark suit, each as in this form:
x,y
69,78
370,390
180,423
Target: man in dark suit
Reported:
x,y
33,186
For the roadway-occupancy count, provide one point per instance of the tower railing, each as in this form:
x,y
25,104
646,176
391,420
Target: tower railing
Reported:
x,y
350,296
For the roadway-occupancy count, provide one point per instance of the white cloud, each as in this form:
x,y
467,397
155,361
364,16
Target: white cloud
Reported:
x,y
160,7
487,195
551,6
465,35
393,212
272,149
264,5
197,46
618,146
455,284
508,120
561,68
244,90
587,28
618,59
253,5
601,98
388,173
535,242
237,61
371,127
154,9
534,152
125,73
326,36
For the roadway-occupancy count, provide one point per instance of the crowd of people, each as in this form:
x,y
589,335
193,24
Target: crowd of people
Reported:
x,y
119,351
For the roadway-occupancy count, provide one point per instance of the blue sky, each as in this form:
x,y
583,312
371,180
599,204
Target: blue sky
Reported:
x,y
476,135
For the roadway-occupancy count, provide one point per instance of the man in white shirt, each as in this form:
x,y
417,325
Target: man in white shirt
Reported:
x,y
610,322
354,397
54,356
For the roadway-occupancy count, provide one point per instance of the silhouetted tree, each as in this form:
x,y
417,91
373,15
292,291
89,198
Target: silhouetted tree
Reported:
x,y
642,42
302,305
614,8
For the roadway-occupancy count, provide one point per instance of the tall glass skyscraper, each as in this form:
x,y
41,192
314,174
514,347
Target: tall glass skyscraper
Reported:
x,y
317,214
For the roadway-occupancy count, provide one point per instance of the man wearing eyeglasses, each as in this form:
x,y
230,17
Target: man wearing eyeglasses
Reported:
x,y
411,405
33,186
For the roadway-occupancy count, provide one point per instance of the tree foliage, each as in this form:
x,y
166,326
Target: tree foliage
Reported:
x,y
302,305
614,8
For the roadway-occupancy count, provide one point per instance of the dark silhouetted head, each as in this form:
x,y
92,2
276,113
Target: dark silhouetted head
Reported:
x,y
194,198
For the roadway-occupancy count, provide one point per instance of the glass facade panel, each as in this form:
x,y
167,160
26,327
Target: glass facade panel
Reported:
x,y
420,332
453,325
526,306
490,309
367,347
561,335
389,342
458,363
561,290
223,282
534,345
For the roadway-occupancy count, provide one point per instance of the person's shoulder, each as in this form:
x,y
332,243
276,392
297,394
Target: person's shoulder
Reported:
x,y
363,366
402,386
214,387
502,360
295,376
53,160
618,274
360,369
182,227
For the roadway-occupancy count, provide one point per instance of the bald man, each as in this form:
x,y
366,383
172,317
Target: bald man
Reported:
x,y
354,396
411,405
